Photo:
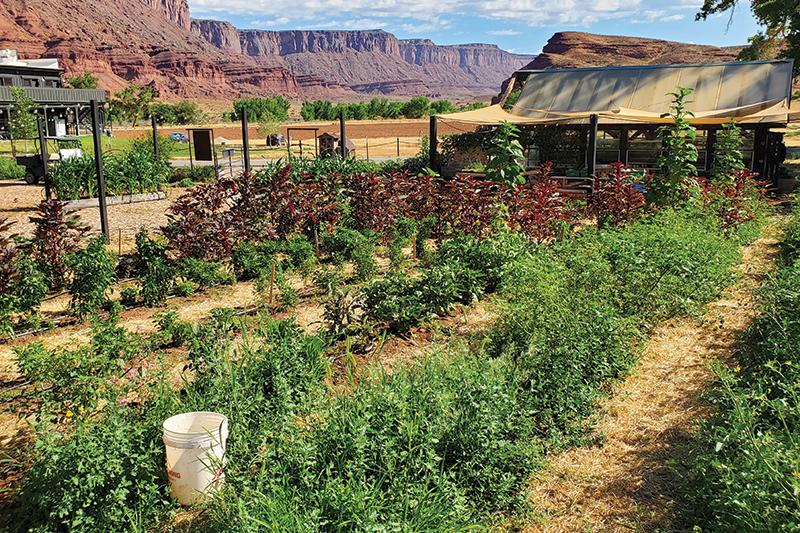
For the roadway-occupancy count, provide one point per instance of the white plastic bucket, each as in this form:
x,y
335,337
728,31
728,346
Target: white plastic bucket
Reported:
x,y
195,444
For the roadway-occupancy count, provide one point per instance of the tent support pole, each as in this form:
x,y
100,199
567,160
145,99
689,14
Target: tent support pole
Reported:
x,y
432,142
509,89
591,153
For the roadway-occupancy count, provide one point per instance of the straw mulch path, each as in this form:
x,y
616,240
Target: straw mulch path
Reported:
x,y
626,484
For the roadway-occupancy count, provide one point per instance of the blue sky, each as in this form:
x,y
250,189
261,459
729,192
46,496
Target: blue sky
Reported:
x,y
520,26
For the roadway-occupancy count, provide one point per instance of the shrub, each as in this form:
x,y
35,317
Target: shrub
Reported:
x,y
154,272
198,174
54,237
10,170
93,275
167,147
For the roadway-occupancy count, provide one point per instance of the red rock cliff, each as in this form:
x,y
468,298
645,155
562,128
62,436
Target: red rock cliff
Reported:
x,y
371,61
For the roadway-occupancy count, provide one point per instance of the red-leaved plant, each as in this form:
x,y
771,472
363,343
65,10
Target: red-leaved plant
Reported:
x,y
538,209
734,201
54,236
615,200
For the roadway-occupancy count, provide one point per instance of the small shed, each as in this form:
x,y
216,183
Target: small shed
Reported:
x,y
329,145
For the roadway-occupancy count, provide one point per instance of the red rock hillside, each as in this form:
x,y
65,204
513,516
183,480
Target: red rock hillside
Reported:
x,y
572,49
155,42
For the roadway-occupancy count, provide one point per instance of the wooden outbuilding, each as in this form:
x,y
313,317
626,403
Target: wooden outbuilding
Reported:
x,y
330,145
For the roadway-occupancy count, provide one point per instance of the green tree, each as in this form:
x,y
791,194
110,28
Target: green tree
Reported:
x,y
440,107
417,107
84,81
133,102
22,124
781,19
274,108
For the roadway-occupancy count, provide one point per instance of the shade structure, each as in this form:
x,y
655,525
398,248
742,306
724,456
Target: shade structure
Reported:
x,y
750,92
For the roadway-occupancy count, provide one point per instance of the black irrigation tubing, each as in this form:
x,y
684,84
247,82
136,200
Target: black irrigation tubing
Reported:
x,y
24,394
17,386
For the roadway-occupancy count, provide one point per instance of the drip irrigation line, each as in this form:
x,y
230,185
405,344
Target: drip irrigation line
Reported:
x,y
17,386
28,393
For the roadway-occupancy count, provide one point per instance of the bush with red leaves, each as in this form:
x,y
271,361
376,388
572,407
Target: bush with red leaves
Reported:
x,y
615,200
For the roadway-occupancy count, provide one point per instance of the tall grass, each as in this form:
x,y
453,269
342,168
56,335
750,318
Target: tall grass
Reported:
x,y
745,467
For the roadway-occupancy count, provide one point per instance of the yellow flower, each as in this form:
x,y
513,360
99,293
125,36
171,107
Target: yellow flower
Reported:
x,y
68,413
737,369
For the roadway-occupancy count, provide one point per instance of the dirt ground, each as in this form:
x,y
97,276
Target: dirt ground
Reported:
x,y
372,138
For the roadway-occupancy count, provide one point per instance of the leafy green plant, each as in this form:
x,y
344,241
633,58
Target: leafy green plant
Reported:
x,y
74,178
396,301
402,233
135,171
727,153
171,331
250,259
206,275
679,154
198,174
183,289
101,477
129,295
505,153
93,275
744,463
153,269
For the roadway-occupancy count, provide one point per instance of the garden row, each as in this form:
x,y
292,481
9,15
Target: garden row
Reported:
x,y
442,446
745,469
447,444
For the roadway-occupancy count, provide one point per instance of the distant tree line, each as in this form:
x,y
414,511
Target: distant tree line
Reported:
x,y
417,107
272,109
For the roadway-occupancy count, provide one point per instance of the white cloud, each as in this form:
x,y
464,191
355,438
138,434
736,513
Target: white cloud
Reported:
x,y
649,17
280,21
436,15
505,32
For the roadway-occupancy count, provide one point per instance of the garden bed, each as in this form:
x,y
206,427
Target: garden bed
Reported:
x,y
431,390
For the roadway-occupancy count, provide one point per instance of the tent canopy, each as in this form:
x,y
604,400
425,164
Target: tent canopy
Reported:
x,y
749,92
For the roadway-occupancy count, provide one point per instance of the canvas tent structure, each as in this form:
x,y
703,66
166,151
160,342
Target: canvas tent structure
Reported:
x,y
620,108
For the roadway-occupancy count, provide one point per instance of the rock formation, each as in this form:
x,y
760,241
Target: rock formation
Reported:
x,y
572,49
370,61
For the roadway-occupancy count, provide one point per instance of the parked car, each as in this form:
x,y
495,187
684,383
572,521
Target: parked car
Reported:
x,y
180,137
